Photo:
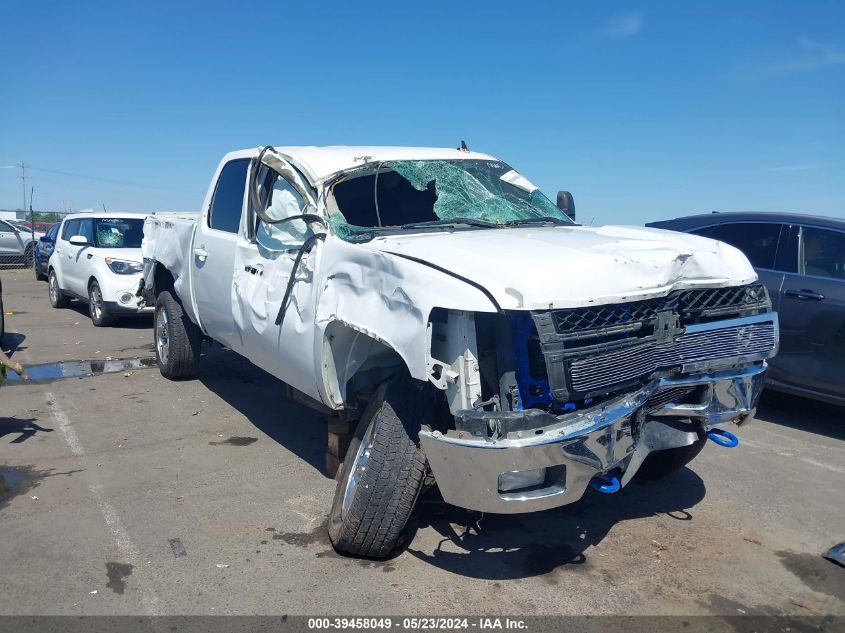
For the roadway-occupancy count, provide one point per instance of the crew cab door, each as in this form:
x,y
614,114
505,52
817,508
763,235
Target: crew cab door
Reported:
x,y
213,254
264,260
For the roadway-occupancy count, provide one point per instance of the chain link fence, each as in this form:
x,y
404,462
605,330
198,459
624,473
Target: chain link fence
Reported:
x,y
27,243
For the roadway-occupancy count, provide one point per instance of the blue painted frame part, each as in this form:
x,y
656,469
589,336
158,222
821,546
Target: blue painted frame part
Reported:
x,y
523,329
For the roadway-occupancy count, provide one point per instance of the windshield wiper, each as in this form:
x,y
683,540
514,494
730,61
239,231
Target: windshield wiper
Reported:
x,y
542,220
451,222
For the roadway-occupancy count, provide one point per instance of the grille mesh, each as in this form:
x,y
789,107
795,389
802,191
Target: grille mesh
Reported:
x,y
689,303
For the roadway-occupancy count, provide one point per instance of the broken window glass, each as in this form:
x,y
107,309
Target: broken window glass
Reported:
x,y
397,193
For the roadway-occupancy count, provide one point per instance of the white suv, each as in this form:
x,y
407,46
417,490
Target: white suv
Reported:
x,y
98,259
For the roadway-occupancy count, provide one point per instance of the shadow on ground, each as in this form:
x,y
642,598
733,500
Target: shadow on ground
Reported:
x,y
23,428
261,398
503,547
495,547
128,322
11,343
802,414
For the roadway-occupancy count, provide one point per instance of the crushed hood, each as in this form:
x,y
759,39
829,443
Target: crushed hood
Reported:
x,y
566,267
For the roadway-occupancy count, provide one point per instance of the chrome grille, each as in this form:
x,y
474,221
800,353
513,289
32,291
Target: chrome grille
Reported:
x,y
601,370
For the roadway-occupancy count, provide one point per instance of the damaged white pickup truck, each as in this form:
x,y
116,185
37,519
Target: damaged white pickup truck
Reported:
x,y
483,340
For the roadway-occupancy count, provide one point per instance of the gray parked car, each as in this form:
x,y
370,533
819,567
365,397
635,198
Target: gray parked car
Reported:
x,y
17,246
801,260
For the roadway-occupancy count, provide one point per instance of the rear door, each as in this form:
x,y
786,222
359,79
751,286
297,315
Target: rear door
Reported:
x,y
63,254
812,313
214,253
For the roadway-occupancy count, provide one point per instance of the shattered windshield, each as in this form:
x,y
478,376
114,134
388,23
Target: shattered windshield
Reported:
x,y
419,194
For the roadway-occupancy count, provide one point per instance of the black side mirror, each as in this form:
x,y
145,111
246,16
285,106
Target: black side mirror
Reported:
x,y
566,203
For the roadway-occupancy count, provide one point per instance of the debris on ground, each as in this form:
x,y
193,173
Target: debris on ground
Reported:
x,y
836,554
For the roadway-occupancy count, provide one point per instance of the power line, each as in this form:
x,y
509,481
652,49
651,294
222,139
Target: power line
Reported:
x,y
112,181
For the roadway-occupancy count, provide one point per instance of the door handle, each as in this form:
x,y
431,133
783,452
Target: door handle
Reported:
x,y
804,295
201,253
89,256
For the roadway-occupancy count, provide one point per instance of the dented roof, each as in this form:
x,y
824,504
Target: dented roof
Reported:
x,y
318,163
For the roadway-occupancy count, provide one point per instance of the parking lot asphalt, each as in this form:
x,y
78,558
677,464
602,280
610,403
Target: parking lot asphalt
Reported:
x,y
125,493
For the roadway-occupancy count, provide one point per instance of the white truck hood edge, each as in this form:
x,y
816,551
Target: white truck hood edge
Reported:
x,y
567,267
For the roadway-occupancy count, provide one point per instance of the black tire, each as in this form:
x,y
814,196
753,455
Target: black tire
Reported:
x,y
2,318
369,513
58,299
97,310
663,463
178,352
39,276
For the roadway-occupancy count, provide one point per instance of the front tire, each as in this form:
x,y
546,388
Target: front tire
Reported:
x,y
58,299
382,474
100,316
177,339
663,463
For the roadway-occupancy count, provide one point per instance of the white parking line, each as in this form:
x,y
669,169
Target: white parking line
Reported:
x,y
128,550
791,454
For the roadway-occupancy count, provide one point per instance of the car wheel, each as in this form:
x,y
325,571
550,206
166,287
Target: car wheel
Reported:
x,y
39,276
100,316
663,463
58,299
382,474
177,339
2,319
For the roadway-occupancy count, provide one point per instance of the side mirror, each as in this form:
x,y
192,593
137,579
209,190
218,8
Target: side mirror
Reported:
x,y
78,240
566,203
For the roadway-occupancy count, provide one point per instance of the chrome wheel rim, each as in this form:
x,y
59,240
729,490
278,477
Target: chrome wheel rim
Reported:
x,y
162,339
54,288
359,466
95,300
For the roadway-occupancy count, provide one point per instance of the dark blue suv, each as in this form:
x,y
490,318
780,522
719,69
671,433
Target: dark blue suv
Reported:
x,y
801,260
43,250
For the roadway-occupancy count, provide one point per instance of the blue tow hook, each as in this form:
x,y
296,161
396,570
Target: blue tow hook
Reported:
x,y
608,484
723,438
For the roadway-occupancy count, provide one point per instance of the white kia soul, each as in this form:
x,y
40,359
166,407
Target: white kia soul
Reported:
x,y
97,259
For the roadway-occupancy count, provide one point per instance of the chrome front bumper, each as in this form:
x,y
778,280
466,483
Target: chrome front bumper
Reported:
x,y
575,447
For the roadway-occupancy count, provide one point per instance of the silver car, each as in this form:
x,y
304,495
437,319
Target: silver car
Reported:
x,y
16,245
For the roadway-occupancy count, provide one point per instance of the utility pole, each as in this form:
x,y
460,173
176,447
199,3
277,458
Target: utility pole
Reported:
x,y
23,167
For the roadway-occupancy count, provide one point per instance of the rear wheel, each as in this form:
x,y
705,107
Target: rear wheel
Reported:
x,y
382,474
177,339
663,463
100,315
58,299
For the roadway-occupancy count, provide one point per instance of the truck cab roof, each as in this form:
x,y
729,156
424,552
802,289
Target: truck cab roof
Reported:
x,y
319,163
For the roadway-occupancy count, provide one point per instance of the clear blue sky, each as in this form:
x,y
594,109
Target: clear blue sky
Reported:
x,y
644,111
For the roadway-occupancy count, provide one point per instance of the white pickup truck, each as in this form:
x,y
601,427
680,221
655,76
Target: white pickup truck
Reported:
x,y
483,340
